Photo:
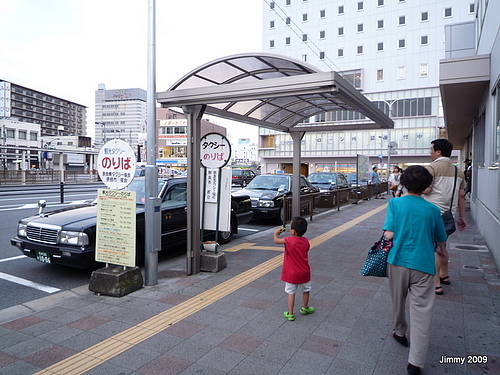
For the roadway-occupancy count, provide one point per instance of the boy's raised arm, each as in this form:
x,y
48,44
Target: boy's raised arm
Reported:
x,y
278,240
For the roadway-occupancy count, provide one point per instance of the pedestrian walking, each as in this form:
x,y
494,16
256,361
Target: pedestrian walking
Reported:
x,y
376,181
415,226
296,272
440,193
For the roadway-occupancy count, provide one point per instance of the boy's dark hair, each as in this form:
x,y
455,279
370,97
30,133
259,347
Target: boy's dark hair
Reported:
x,y
443,145
299,224
374,167
416,179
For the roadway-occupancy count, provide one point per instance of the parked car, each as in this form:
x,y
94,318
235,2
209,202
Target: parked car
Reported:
x,y
267,193
328,183
354,181
242,177
67,236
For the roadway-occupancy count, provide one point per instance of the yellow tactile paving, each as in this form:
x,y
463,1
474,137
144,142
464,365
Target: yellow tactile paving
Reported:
x,y
103,351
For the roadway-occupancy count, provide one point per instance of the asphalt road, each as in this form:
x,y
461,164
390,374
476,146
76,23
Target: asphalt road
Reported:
x,y
24,279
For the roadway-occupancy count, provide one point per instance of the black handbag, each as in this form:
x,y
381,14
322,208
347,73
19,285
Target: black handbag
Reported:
x,y
376,261
447,216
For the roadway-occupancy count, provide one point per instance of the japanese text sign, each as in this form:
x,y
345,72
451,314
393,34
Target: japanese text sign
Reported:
x,y
215,150
116,164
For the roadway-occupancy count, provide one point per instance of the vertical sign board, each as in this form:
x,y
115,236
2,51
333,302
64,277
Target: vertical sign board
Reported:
x,y
215,154
116,212
115,239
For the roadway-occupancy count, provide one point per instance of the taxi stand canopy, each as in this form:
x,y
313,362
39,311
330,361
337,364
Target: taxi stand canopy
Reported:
x,y
266,90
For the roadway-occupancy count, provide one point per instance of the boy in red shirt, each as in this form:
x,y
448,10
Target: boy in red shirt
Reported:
x,y
296,271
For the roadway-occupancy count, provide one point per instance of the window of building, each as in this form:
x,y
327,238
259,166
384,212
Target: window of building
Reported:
x,y
288,20
448,12
380,24
380,3
401,72
322,34
360,5
341,9
288,2
401,1
322,13
472,8
380,46
304,57
424,40
402,43
33,136
340,52
321,55
11,133
402,20
304,17
22,134
359,50
271,24
340,31
380,74
496,110
424,70
360,27
354,77
424,16
271,44
287,41
304,37
271,5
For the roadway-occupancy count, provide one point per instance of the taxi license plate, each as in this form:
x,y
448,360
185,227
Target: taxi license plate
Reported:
x,y
43,257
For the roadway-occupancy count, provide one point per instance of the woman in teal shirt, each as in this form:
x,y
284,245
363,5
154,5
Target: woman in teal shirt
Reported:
x,y
415,226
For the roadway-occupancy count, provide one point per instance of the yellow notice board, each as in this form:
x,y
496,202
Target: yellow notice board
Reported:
x,y
115,238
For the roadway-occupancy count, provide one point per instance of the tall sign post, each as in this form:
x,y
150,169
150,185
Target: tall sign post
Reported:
x,y
215,153
116,219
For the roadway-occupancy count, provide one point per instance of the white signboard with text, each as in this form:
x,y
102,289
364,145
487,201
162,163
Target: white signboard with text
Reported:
x,y
116,222
116,164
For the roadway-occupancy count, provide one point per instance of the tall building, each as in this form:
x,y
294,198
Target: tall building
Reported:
x,y
56,116
389,50
120,114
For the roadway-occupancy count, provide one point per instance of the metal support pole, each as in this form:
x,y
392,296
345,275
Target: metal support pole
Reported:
x,y
61,167
61,191
151,254
193,252
297,139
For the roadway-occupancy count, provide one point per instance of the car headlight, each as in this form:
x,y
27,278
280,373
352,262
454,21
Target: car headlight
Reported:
x,y
266,203
21,229
73,238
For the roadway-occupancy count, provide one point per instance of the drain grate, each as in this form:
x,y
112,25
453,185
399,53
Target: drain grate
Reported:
x,y
467,247
472,268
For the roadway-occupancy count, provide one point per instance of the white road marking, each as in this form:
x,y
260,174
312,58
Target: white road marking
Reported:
x,y
13,258
28,283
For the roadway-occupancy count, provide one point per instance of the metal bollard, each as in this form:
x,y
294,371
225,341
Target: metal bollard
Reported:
x,y
61,191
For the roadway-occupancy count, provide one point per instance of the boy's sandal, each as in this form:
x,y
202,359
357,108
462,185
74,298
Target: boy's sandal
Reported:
x,y
306,310
288,316
445,280
439,290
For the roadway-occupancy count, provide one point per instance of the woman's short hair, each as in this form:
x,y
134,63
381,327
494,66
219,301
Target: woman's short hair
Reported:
x,y
416,179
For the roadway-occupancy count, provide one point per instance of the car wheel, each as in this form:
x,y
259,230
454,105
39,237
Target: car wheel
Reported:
x,y
225,237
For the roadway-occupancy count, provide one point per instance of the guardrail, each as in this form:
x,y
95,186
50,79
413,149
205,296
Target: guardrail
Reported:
x,y
47,176
341,197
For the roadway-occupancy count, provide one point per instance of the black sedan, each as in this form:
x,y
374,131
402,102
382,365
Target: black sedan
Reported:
x,y
328,183
268,191
68,236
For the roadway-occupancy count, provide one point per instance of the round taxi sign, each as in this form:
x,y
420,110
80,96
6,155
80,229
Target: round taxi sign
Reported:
x,y
116,164
215,150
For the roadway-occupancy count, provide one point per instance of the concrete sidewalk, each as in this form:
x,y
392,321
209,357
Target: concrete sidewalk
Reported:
x,y
231,322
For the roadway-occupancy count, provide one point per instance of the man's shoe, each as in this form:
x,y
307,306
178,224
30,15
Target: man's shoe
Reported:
x,y
401,339
413,370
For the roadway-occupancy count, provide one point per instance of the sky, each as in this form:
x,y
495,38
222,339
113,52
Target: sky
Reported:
x,y
66,48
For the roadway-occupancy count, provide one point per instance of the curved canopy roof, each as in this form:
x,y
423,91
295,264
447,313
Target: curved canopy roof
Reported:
x,y
272,91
